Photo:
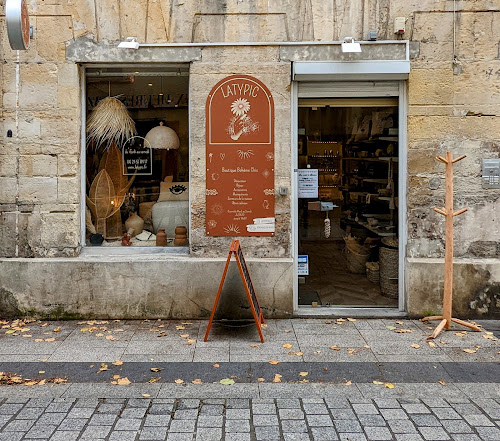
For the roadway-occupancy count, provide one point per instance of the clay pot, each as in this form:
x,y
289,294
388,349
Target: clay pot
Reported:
x,y
161,238
180,230
136,223
181,242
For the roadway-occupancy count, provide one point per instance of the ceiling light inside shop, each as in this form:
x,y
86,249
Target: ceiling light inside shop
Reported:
x,y
349,45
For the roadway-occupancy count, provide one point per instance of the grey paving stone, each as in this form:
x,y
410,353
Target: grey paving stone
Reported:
x,y
365,409
59,406
11,436
402,426
265,420
153,433
465,437
92,433
128,424
467,409
4,419
81,412
415,408
296,426
221,401
157,420
102,419
212,409
267,433
291,414
316,408
160,409
182,426
394,414
51,418
41,431
408,437
240,403
478,420
456,426
237,414
342,414
319,421
351,426
208,434
288,403
371,420
110,408
352,437
387,403
180,437
121,435
433,433
60,435
39,402
29,413
489,433
134,412
138,402
73,424
291,436
266,409
426,420
446,413
337,403
435,402
87,402
232,426
188,403
324,434
237,437
312,400
10,408
19,425
378,433
210,421
186,414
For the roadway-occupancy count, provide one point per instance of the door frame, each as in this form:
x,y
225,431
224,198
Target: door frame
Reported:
x,y
399,311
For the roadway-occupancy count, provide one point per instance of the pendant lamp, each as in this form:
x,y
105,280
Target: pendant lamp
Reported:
x,y
163,137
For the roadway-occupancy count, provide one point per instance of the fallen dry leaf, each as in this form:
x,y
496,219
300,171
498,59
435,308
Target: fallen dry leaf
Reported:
x,y
156,369
378,382
287,345
389,385
227,381
263,326
50,339
299,354
58,329
180,328
100,334
391,328
461,334
260,380
255,346
288,331
190,342
277,378
367,347
184,335
432,344
104,367
303,374
123,381
154,380
197,381
348,382
415,346
399,322
41,372
442,382
470,351
115,377
179,381
403,331
111,338
317,352
274,362
27,335
334,348
146,395
117,362
216,365
351,319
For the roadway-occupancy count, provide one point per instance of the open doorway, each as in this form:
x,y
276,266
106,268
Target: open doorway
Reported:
x,y
348,202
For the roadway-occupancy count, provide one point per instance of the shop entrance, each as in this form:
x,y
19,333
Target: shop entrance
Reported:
x,y
348,186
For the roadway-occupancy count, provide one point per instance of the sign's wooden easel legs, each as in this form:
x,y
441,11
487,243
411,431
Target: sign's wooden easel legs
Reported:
x,y
446,319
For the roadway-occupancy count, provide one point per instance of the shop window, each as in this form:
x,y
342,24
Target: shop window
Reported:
x,y
137,157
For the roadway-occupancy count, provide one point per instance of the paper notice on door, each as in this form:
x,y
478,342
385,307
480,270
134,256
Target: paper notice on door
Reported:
x,y
303,265
307,183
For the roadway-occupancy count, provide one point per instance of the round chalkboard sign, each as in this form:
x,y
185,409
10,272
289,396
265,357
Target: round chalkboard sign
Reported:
x,y
18,24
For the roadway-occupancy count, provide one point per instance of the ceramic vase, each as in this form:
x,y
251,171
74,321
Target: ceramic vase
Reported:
x,y
161,238
136,223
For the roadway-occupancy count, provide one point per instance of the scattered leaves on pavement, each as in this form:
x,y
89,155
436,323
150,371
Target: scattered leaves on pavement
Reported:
x,y
260,380
287,345
348,382
442,382
117,363
334,348
156,369
303,374
389,385
415,346
146,395
277,378
179,381
227,381
197,381
470,351
154,380
274,362
432,344
216,365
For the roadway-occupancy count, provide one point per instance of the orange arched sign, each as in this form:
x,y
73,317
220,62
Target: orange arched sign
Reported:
x,y
240,158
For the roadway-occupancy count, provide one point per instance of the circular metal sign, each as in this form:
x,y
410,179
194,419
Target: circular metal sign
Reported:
x,y
18,24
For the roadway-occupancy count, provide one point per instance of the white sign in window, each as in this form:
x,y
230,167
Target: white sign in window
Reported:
x,y
308,183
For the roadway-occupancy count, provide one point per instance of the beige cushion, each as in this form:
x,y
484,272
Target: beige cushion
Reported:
x,y
174,191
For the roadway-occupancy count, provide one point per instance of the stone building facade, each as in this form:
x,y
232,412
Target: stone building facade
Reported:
x,y
453,104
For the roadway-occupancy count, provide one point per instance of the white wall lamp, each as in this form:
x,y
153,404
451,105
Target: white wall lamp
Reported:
x,y
349,45
129,43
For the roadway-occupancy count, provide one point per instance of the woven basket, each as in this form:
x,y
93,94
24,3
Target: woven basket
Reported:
x,y
373,272
389,287
389,263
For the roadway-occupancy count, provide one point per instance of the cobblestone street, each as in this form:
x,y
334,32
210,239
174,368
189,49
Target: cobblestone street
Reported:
x,y
312,379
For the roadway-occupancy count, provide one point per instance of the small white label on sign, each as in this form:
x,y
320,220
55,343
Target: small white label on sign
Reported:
x,y
303,265
308,183
260,228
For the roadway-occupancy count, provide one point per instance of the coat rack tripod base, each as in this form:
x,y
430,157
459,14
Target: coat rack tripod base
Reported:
x,y
446,319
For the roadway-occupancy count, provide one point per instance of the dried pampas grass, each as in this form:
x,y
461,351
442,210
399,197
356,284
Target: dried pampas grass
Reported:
x,y
110,122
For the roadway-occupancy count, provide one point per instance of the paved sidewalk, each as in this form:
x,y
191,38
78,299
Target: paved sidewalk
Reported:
x,y
313,379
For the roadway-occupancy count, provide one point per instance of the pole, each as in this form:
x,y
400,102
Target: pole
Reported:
x,y
448,257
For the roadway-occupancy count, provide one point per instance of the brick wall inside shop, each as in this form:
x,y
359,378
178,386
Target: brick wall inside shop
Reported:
x,y
452,105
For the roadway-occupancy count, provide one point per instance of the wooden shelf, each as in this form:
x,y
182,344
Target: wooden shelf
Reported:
x,y
380,159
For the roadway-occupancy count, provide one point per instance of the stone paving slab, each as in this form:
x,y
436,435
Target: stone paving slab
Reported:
x,y
346,417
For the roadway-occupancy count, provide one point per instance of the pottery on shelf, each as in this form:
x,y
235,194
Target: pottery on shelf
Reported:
x,y
136,223
161,238
180,239
96,240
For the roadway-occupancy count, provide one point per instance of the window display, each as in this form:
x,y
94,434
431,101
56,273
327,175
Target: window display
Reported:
x,y
137,157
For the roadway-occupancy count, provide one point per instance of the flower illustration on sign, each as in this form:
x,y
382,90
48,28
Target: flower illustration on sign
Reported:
x,y
241,123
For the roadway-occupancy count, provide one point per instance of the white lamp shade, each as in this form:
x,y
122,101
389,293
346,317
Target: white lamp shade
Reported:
x,y
162,137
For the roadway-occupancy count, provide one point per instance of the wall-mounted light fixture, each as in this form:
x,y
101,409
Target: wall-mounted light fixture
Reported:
x,y
129,43
349,45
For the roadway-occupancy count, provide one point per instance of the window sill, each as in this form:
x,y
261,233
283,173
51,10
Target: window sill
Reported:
x,y
130,251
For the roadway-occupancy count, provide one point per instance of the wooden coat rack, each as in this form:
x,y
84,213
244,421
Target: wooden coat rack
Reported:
x,y
448,212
